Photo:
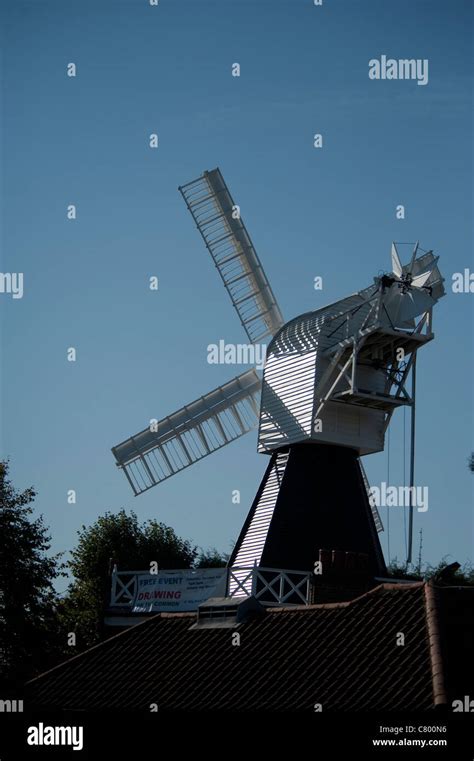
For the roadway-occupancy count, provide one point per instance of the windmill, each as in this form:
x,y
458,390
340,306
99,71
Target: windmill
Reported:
x,y
332,380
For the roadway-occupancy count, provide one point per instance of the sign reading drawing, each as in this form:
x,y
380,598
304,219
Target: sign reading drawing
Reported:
x,y
178,591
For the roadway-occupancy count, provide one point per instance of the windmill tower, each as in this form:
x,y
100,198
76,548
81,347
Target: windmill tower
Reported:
x,y
332,380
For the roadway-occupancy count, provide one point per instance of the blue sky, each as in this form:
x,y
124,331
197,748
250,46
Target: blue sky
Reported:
x,y
328,212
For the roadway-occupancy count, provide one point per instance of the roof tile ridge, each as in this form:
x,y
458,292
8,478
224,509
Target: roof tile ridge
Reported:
x,y
386,586
434,639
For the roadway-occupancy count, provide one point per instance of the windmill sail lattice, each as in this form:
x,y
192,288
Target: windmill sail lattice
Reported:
x,y
191,433
217,219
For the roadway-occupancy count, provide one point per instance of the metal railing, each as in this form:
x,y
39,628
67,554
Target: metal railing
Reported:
x,y
124,587
271,586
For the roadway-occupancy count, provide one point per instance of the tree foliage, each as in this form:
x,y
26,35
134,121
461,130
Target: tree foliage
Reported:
x,y
211,558
443,572
115,539
29,637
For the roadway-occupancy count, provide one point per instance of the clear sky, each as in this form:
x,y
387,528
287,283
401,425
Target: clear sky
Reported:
x,y
327,212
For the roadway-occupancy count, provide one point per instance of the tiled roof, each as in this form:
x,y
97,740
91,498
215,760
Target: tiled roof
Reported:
x,y
342,655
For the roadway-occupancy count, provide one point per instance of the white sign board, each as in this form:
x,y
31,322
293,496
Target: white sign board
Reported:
x,y
178,591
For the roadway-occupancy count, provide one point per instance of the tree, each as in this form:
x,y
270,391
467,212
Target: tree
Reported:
x,y
444,572
121,539
28,629
211,558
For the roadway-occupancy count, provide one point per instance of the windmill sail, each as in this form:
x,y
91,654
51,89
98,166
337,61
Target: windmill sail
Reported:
x,y
217,219
226,413
193,432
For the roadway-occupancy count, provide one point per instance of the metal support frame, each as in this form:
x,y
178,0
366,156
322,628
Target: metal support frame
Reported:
x,y
327,396
359,346
412,463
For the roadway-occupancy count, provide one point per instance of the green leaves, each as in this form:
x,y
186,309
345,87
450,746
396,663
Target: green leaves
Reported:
x,y
115,539
28,627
